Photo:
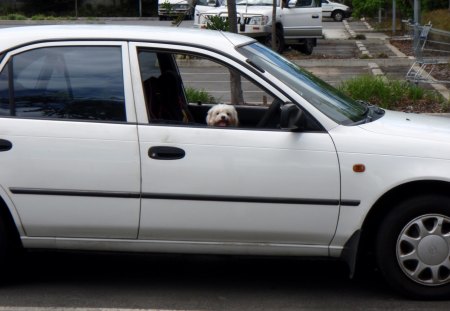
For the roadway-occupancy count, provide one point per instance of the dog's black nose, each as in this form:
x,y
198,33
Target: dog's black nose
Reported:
x,y
223,118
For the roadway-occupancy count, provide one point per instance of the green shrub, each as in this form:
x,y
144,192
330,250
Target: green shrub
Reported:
x,y
38,17
216,22
393,94
198,96
16,17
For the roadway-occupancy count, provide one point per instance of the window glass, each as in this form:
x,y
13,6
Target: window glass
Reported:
x,y
67,82
183,88
4,95
333,103
304,3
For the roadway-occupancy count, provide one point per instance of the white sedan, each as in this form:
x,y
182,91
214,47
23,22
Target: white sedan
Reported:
x,y
104,146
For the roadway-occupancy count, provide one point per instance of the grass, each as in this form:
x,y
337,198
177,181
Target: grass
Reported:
x,y
14,17
440,19
394,94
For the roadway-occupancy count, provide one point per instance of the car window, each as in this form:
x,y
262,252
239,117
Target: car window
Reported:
x,y
76,82
180,89
304,3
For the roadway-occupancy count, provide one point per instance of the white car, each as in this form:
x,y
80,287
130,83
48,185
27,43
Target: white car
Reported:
x,y
335,10
104,146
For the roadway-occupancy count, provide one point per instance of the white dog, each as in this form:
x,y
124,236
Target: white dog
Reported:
x,y
222,115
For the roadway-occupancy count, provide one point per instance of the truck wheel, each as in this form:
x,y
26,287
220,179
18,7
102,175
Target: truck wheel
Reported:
x,y
280,45
307,47
413,247
338,16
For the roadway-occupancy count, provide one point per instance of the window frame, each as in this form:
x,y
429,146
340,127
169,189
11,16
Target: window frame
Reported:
x,y
130,110
207,54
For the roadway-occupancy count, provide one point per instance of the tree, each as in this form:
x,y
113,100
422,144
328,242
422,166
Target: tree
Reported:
x,y
237,97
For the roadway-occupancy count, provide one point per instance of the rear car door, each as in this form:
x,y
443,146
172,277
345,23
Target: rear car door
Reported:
x,y
236,185
73,167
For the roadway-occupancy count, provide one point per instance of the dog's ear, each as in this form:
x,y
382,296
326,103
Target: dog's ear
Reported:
x,y
209,115
235,117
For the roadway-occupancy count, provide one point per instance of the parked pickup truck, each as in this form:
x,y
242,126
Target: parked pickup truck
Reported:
x,y
298,23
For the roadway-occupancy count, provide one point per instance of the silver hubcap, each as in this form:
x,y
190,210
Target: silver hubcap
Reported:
x,y
423,250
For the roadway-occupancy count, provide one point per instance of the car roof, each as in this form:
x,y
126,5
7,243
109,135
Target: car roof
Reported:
x,y
18,36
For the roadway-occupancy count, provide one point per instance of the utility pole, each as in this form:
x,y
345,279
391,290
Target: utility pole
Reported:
x,y
417,12
394,17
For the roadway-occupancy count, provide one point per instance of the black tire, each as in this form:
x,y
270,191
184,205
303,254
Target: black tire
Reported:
x,y
3,241
338,16
280,44
308,47
413,247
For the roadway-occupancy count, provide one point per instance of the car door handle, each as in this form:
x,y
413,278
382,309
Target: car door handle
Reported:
x,y
5,145
315,16
166,153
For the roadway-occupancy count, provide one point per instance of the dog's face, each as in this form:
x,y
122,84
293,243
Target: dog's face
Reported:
x,y
222,115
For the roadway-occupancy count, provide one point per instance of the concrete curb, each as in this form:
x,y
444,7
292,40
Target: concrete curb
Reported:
x,y
349,29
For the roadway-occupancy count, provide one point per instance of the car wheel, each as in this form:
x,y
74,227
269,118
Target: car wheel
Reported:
x,y
280,45
338,16
307,48
413,247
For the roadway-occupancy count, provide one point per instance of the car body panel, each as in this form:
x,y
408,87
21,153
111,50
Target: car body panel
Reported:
x,y
93,185
235,188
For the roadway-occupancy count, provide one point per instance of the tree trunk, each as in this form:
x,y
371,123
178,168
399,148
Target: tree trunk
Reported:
x,y
237,97
274,25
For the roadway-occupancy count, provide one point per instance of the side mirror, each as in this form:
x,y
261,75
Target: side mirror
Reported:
x,y
292,118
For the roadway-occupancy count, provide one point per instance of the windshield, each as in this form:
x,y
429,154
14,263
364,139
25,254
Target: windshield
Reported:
x,y
330,101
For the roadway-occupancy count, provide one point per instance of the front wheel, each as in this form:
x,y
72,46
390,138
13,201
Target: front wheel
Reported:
x,y
307,48
279,41
413,247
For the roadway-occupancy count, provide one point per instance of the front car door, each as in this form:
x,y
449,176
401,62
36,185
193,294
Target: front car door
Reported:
x,y
73,169
302,20
237,187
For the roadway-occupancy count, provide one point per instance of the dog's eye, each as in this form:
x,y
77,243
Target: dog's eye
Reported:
x,y
228,114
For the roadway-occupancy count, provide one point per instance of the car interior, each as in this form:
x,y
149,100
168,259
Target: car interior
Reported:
x,y
165,89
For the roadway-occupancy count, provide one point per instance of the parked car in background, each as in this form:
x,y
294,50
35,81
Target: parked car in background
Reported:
x,y
298,24
335,10
104,146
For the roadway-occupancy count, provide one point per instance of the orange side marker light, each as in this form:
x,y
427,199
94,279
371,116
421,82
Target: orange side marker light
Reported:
x,y
359,168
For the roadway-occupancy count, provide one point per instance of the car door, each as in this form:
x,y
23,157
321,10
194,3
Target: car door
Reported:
x,y
238,185
67,112
327,8
302,20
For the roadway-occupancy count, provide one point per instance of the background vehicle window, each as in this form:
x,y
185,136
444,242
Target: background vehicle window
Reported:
x,y
304,3
65,82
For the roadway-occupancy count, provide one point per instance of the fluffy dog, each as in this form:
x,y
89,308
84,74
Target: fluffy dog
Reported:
x,y
222,115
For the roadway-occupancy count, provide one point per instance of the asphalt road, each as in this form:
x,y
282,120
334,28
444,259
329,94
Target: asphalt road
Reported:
x,y
55,281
